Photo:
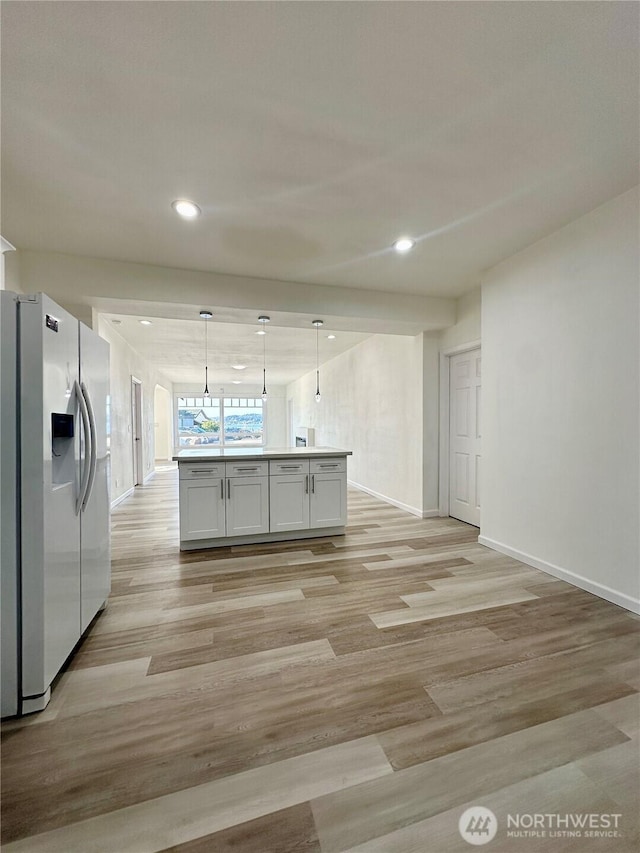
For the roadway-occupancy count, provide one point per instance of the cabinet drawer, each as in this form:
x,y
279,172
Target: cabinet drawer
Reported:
x,y
330,465
201,470
289,466
247,469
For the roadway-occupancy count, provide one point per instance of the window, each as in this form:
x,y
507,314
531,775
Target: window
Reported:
x,y
220,421
243,421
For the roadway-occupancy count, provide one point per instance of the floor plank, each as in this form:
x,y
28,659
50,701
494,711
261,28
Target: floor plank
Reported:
x,y
291,830
154,824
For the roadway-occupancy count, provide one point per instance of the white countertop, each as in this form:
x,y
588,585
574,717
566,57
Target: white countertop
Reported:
x,y
253,453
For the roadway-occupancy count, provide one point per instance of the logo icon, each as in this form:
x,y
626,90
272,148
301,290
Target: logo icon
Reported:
x,y
478,825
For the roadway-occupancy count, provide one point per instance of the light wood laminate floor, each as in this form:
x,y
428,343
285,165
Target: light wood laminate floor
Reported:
x,y
356,693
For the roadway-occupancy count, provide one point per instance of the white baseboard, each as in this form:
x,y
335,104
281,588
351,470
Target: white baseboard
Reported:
x,y
122,497
149,476
598,589
429,513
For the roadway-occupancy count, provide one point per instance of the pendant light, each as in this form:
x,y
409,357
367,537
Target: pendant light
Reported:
x,y
206,315
317,324
264,320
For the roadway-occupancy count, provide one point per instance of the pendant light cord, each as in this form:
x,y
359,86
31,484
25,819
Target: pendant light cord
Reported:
x,y
317,324
263,319
206,361
264,365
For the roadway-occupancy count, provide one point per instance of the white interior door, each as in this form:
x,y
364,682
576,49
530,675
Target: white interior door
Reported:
x,y
136,430
465,436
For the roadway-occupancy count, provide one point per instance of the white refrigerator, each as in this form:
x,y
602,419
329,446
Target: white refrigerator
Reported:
x,y
55,560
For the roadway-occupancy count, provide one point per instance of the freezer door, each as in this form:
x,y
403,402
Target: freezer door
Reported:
x,y
95,578
50,464
8,505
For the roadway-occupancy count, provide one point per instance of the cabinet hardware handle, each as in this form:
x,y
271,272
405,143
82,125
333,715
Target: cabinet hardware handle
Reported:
x,y
306,484
202,471
255,468
313,484
221,490
328,465
229,489
292,467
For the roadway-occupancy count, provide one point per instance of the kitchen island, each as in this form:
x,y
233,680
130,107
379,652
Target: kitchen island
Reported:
x,y
246,495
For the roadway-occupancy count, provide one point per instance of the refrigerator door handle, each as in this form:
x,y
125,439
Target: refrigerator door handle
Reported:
x,y
93,457
84,478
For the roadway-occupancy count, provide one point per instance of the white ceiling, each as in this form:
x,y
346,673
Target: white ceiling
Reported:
x,y
177,348
313,134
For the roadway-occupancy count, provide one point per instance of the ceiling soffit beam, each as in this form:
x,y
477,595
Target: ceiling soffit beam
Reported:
x,y
100,283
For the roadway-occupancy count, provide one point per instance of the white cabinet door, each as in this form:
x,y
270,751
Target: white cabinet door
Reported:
x,y
289,502
328,504
247,505
202,508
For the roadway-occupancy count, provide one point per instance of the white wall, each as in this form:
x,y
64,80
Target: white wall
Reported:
x,y
125,362
430,422
163,423
276,416
561,362
468,321
9,268
372,404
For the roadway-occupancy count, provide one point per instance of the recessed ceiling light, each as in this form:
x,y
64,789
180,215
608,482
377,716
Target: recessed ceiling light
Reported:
x,y
404,244
145,322
236,381
238,366
331,337
185,208
206,314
